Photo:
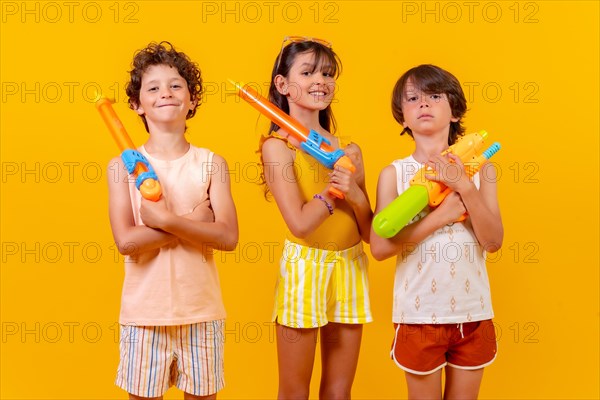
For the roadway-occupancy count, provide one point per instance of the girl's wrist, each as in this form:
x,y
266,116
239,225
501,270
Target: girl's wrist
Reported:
x,y
327,201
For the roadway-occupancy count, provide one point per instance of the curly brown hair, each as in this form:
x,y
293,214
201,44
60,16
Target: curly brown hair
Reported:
x,y
432,79
163,53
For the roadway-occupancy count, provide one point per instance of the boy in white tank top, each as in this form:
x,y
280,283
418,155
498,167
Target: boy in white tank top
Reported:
x,y
442,304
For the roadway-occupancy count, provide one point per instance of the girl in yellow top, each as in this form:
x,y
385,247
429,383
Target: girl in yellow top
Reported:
x,y
322,284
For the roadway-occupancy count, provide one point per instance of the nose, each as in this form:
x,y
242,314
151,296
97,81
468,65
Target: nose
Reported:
x,y
319,79
423,102
165,93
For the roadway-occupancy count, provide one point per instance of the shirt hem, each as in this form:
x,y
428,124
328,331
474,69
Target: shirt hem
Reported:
x,y
446,320
187,321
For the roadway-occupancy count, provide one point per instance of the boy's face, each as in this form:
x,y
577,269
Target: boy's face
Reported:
x,y
425,112
164,96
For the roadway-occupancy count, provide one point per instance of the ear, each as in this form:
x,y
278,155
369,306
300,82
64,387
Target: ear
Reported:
x,y
139,110
193,104
281,85
454,119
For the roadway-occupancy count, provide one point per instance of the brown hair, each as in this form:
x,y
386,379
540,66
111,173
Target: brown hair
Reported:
x,y
163,53
431,79
325,58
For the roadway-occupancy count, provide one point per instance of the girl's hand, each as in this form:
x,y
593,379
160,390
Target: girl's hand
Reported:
x,y
450,171
345,181
154,214
450,209
355,155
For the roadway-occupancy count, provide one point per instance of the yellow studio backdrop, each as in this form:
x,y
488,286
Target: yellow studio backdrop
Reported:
x,y
530,72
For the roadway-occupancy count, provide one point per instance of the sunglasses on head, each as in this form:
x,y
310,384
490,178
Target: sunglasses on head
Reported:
x,y
295,39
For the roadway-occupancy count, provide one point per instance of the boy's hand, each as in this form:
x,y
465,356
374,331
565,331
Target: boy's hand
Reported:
x,y
155,214
450,171
202,212
451,208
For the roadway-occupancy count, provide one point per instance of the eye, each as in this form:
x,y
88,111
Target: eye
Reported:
x,y
176,86
411,99
153,88
306,73
436,96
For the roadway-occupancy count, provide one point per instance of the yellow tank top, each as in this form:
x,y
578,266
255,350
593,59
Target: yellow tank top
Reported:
x,y
340,230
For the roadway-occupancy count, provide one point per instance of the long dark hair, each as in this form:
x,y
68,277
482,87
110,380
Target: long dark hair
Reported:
x,y
324,57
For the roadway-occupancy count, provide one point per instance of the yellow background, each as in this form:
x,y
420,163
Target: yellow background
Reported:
x,y
531,76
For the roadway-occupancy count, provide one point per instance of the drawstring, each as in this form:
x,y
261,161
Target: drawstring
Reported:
x,y
460,327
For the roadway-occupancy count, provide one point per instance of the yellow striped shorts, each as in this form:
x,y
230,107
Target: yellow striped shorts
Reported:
x,y
317,286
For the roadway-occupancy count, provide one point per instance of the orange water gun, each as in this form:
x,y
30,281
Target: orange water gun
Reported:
x,y
311,141
423,192
135,162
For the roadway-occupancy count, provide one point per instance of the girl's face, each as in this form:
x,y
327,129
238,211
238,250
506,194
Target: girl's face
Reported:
x,y
164,95
309,84
426,113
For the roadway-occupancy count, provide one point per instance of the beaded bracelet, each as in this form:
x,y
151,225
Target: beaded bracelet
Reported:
x,y
329,206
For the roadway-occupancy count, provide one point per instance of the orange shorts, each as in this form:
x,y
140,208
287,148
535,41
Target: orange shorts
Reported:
x,y
423,349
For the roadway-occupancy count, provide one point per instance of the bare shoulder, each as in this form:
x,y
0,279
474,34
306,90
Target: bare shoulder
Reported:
x,y
115,162
388,174
276,148
219,159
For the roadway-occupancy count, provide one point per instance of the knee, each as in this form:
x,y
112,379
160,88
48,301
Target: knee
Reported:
x,y
293,392
334,393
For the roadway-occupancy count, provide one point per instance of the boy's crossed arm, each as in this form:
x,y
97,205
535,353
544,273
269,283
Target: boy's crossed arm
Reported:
x,y
212,223
204,228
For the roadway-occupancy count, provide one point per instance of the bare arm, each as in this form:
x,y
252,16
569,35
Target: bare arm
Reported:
x,y
410,236
221,234
355,191
301,218
129,238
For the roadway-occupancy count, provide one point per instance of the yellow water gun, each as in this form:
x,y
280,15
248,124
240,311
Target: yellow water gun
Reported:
x,y
423,192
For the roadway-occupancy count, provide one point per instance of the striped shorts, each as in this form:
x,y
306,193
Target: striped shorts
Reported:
x,y
154,358
317,286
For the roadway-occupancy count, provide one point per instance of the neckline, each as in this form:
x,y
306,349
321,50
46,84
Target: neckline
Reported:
x,y
166,162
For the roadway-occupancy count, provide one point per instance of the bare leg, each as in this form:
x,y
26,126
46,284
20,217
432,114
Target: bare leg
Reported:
x,y
340,346
134,397
462,383
189,396
424,386
295,356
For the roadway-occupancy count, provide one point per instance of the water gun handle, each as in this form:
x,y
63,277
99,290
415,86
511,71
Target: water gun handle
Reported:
x,y
135,162
344,162
320,148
